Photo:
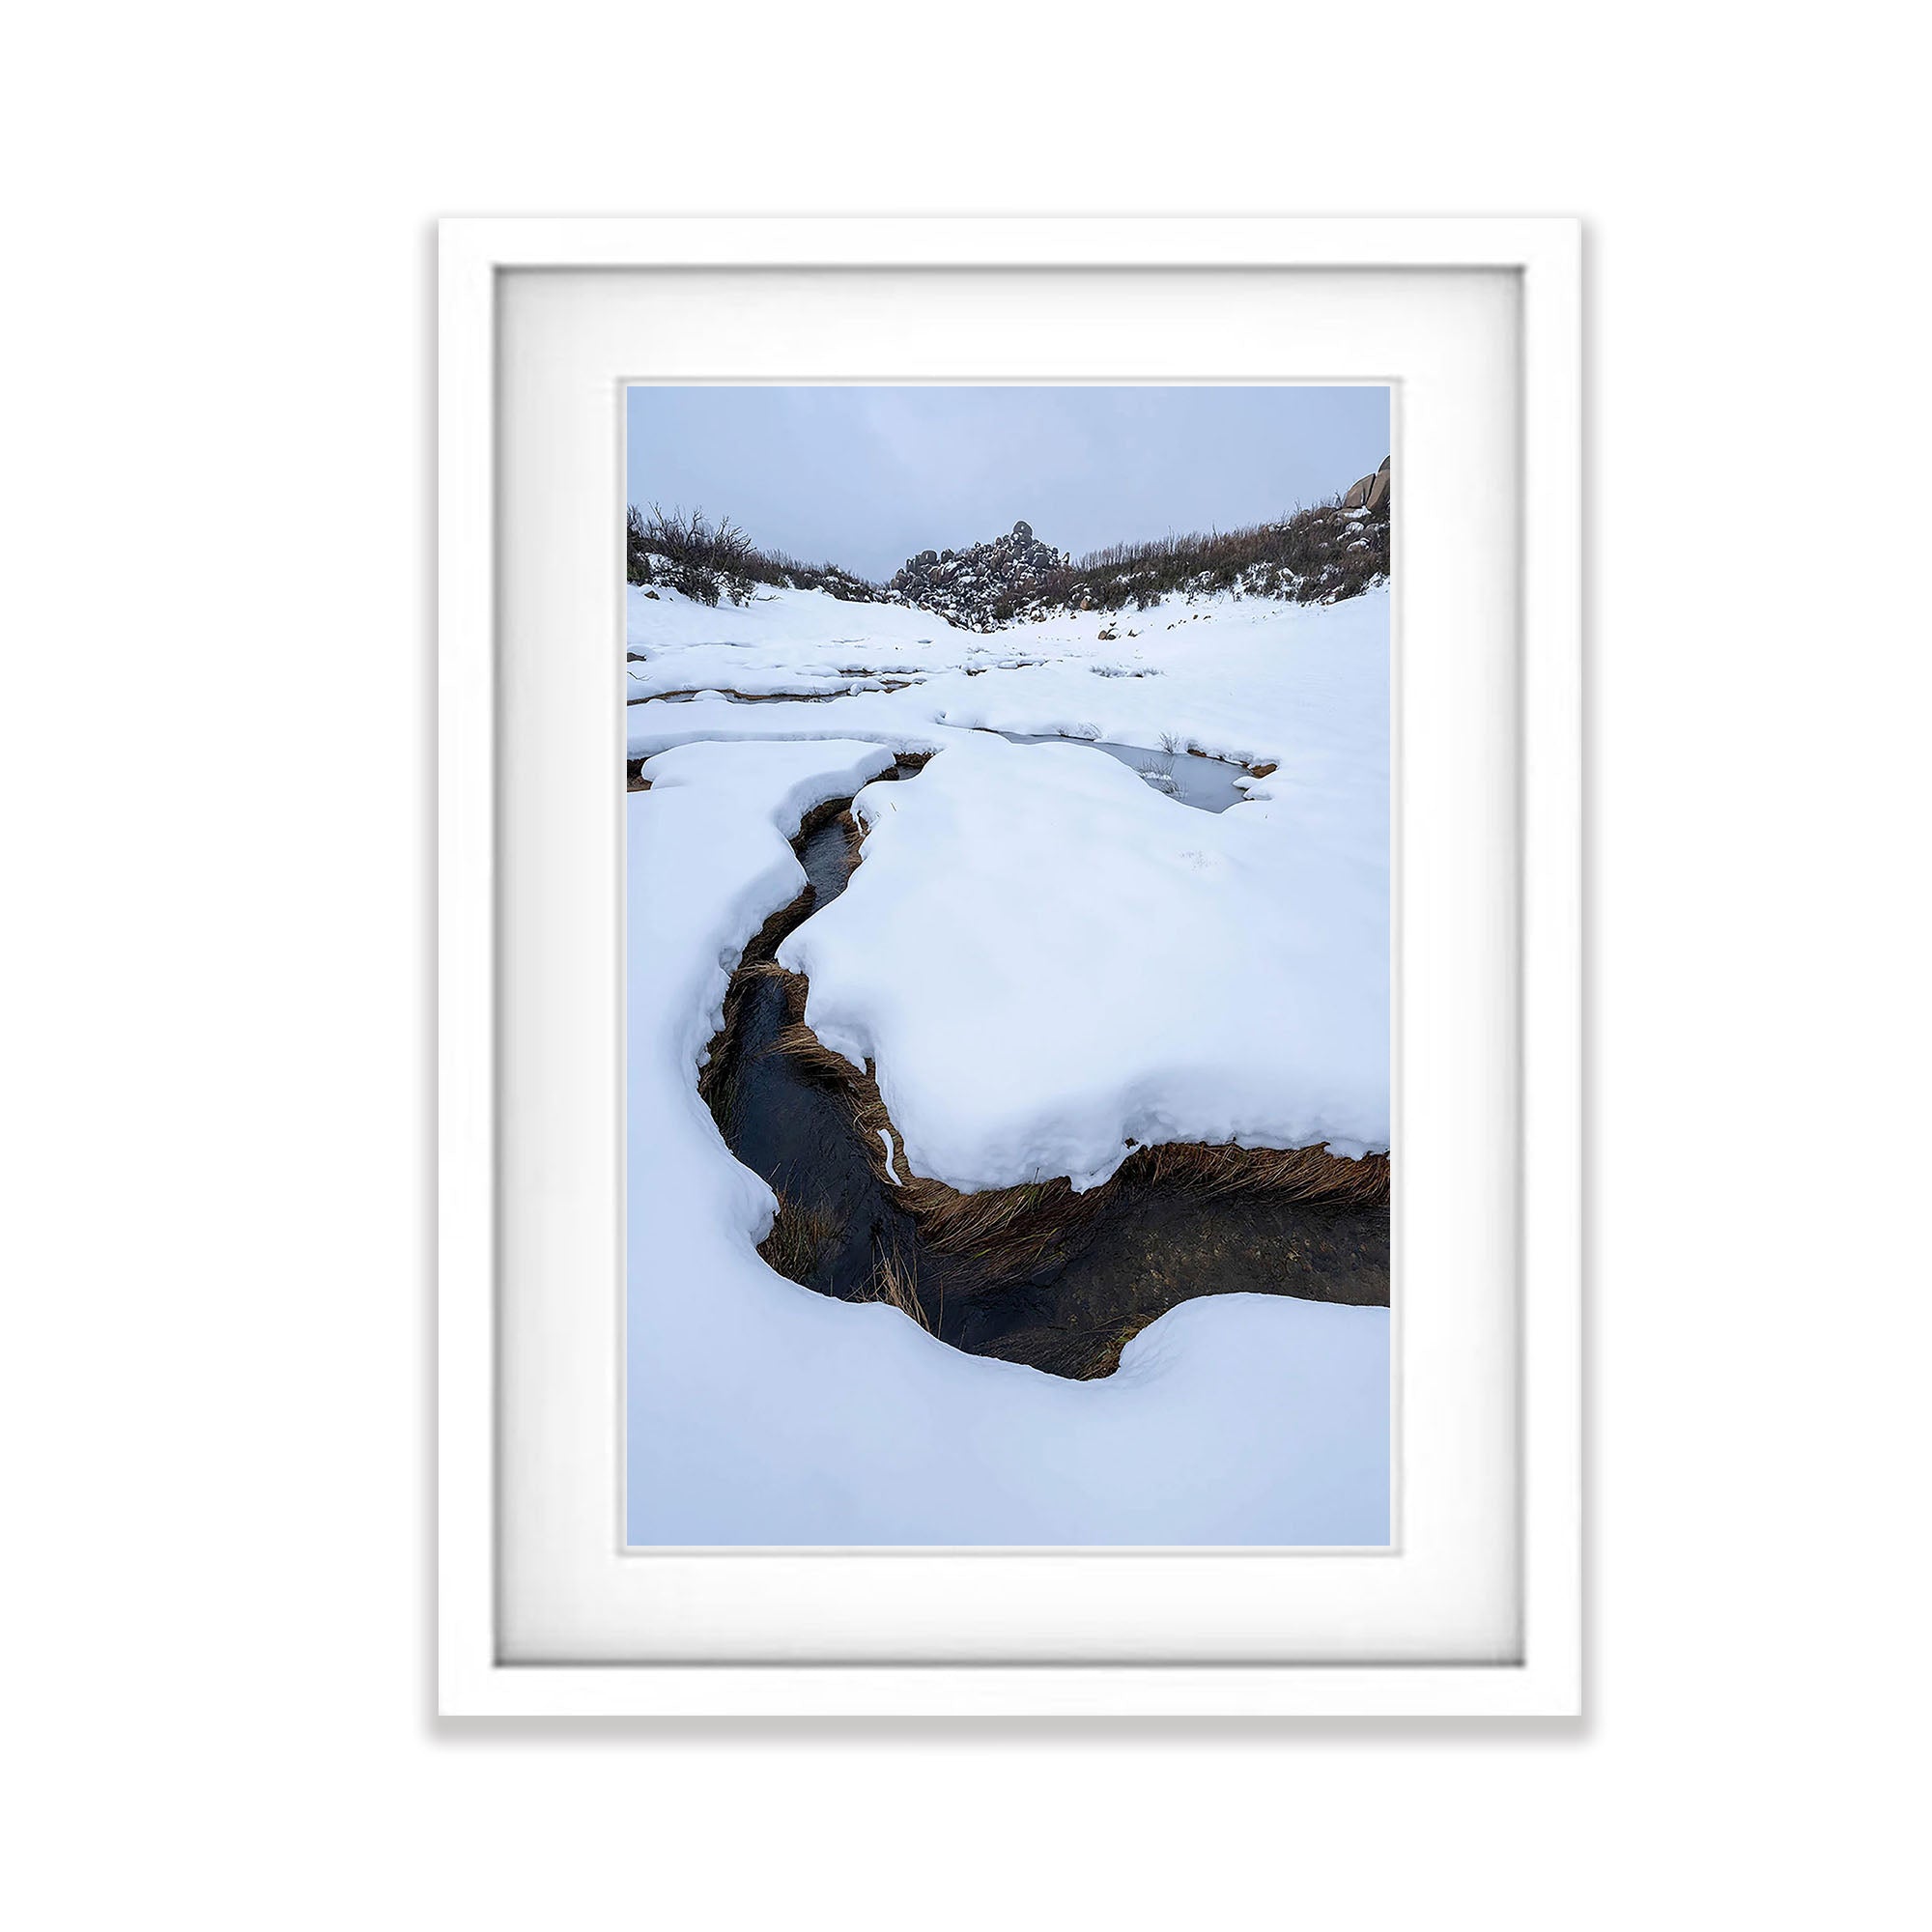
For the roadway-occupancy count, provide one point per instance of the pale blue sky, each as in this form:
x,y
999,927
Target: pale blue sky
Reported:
x,y
867,477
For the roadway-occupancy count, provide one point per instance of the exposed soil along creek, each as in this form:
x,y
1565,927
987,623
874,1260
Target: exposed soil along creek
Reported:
x,y
1067,1284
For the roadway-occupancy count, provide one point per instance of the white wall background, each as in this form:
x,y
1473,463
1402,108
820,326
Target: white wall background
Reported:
x,y
212,771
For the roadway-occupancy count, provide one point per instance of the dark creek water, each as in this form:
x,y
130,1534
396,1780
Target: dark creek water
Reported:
x,y
774,696
1151,1249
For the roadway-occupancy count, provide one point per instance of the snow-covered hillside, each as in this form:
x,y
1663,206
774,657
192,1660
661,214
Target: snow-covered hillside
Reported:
x,y
1046,959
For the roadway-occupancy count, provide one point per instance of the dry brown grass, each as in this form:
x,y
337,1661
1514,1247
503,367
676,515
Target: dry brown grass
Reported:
x,y
854,838
708,558
769,969
800,1234
1010,1231
1109,1357
722,1054
819,816
895,1279
1079,1355
811,1056
1289,1174
1305,555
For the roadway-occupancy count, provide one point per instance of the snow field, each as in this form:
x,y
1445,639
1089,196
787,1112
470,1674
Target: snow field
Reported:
x,y
1023,953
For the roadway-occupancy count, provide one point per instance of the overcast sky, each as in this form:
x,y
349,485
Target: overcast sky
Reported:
x,y
870,478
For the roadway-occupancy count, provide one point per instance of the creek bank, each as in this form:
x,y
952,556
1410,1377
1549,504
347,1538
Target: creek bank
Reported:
x,y
1035,1274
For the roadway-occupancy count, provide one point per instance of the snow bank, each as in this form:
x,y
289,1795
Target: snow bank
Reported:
x,y
760,1413
710,876
781,641
784,782
1050,963
785,618
1305,687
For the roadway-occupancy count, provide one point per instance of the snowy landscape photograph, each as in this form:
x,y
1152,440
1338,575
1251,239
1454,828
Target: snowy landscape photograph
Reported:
x,y
1007,967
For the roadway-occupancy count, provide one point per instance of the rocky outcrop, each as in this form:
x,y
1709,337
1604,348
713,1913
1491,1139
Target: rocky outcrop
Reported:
x,y
966,585
1369,493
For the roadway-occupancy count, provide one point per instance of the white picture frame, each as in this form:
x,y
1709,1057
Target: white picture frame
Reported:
x,y
1544,1675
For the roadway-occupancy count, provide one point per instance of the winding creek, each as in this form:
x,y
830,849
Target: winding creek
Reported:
x,y
1072,1304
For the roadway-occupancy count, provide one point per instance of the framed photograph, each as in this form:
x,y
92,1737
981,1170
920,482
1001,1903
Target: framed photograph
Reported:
x,y
1010,967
